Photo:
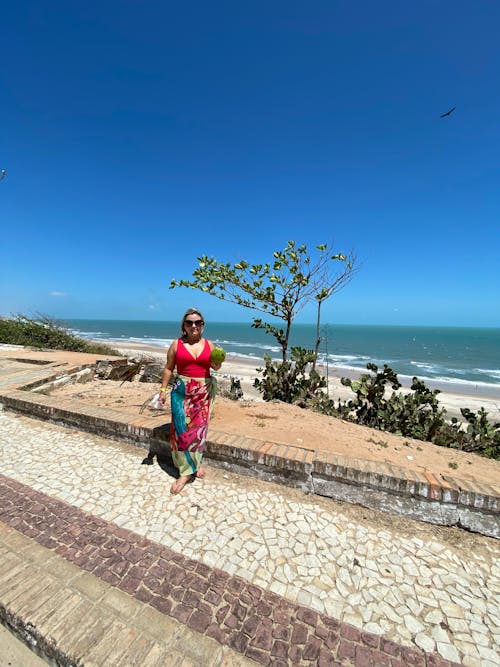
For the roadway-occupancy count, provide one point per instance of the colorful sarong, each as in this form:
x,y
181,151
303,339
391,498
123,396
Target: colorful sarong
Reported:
x,y
191,401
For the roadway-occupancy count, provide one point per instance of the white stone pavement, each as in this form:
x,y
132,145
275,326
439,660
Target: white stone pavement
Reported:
x,y
413,583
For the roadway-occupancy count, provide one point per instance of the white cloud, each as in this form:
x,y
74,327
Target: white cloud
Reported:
x,y
57,293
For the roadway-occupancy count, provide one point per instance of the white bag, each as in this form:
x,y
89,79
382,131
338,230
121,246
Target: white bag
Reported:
x,y
155,403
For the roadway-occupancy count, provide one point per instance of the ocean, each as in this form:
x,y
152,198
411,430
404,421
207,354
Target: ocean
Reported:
x,y
464,355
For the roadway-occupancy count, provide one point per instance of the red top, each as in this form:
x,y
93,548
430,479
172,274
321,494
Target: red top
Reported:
x,y
188,365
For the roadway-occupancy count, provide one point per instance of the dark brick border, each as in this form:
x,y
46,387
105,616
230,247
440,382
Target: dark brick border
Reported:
x,y
261,625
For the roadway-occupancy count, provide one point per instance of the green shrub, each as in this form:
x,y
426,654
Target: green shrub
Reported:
x,y
416,414
476,434
289,380
46,333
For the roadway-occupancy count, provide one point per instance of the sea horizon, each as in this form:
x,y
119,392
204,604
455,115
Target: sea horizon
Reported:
x,y
294,324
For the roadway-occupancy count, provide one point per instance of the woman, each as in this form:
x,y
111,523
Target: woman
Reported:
x,y
191,398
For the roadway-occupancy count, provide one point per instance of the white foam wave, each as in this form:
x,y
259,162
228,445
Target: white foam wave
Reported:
x,y
436,369
348,357
88,334
239,355
238,344
344,367
457,376
424,366
145,340
493,372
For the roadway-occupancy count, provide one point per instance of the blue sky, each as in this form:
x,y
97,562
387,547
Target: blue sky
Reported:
x,y
139,135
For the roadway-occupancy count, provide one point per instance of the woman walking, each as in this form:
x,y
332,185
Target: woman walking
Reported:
x,y
191,397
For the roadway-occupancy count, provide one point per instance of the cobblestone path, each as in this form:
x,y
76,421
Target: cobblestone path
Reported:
x,y
346,585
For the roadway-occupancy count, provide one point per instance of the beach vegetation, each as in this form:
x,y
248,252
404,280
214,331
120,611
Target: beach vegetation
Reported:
x,y
44,332
414,414
378,403
291,381
476,433
279,288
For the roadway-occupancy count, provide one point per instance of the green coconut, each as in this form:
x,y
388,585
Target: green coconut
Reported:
x,y
217,355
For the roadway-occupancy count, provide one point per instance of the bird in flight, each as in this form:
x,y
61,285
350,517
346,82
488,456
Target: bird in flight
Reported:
x,y
443,115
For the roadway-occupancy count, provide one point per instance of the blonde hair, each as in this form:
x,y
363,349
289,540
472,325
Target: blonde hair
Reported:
x,y
190,311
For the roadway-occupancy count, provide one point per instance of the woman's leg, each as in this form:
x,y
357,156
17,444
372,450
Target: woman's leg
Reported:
x,y
188,465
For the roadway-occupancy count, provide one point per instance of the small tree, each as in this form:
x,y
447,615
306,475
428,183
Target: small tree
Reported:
x,y
280,288
331,281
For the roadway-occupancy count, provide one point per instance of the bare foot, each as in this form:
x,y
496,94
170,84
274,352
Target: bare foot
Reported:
x,y
200,473
179,484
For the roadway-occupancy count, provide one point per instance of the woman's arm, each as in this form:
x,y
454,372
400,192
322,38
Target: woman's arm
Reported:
x,y
168,370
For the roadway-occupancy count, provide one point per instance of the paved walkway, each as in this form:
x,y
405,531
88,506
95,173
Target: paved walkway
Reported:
x,y
251,571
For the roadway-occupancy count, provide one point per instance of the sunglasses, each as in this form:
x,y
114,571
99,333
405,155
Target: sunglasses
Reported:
x,y
194,323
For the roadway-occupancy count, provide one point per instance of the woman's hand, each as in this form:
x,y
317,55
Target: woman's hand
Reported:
x,y
163,396
215,366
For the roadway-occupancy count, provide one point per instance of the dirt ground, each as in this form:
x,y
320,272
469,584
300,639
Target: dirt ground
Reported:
x,y
289,424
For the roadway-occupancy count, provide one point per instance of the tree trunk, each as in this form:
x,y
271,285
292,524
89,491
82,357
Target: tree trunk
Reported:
x,y
284,346
318,337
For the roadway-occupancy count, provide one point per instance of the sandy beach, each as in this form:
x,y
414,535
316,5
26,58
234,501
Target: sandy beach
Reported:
x,y
453,396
